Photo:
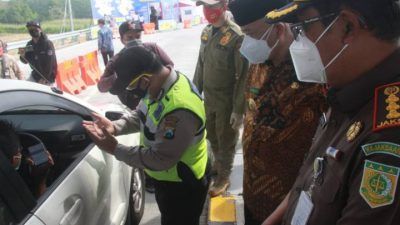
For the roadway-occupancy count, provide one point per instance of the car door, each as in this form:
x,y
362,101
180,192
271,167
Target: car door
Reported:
x,y
95,187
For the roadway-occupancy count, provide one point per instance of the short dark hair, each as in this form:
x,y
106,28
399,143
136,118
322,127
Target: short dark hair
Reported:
x,y
9,140
101,21
382,17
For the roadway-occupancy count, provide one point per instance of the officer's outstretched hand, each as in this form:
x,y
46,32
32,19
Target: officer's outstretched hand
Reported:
x,y
101,121
236,120
101,136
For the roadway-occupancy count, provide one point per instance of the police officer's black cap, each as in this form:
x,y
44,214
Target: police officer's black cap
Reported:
x,y
129,25
33,24
131,63
248,11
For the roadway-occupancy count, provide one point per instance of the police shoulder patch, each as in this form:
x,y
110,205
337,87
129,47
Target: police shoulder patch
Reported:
x,y
379,183
387,106
388,148
170,126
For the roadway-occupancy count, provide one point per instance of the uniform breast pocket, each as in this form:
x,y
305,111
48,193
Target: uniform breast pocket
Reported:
x,y
221,56
327,189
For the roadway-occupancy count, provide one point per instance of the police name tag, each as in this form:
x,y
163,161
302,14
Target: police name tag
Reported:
x,y
303,210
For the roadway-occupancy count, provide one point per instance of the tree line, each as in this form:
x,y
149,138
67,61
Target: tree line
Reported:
x,y
20,11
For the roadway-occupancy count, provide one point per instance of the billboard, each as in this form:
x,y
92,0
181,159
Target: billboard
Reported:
x,y
121,10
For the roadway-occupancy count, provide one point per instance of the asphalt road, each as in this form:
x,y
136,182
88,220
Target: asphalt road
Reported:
x,y
182,46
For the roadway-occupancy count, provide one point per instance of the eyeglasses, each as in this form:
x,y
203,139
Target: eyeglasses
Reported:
x,y
132,85
300,27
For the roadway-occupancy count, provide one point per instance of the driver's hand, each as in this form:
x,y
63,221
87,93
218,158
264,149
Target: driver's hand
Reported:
x,y
50,160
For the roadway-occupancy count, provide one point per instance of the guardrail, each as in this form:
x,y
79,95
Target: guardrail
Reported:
x,y
55,37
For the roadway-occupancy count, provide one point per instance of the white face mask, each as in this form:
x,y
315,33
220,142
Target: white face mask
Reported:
x,y
257,51
307,60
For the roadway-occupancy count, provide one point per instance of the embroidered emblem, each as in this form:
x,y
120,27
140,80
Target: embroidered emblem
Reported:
x,y
225,39
157,113
382,148
378,185
387,106
169,127
204,36
354,130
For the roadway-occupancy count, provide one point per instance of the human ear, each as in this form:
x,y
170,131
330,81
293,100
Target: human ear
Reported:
x,y
351,26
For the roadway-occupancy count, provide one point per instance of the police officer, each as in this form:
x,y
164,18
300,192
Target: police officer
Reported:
x,y
351,174
282,113
40,54
221,74
171,121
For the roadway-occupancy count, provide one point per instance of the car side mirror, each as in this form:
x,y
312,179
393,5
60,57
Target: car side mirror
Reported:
x,y
113,115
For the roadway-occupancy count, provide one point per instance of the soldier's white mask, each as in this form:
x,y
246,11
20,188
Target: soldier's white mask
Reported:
x,y
257,51
307,60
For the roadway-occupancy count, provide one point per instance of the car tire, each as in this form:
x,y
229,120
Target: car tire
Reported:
x,y
136,197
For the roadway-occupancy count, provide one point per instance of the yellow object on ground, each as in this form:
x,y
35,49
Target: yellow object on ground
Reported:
x,y
222,209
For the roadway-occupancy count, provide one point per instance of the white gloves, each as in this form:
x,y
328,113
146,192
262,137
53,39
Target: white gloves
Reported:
x,y
236,120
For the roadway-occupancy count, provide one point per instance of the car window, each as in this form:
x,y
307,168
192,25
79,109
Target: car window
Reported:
x,y
5,214
37,109
61,133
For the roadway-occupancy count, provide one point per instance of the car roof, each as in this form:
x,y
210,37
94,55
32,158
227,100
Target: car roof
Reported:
x,y
19,85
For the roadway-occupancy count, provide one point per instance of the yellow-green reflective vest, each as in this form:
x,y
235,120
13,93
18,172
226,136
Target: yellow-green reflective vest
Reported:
x,y
182,95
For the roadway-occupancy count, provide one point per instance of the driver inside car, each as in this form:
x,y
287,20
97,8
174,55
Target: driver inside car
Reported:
x,y
33,173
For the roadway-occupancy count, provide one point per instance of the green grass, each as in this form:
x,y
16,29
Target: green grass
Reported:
x,y
49,27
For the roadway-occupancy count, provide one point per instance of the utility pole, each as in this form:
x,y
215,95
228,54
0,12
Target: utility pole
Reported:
x,y
67,7
70,15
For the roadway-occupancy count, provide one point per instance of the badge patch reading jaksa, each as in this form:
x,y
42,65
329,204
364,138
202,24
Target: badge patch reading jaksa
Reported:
x,y
379,182
382,148
387,107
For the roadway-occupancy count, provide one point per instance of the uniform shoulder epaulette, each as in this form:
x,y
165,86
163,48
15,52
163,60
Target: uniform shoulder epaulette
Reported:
x,y
235,28
387,106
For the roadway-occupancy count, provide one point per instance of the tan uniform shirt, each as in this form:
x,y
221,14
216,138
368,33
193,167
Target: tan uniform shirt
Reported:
x,y
221,69
355,180
9,68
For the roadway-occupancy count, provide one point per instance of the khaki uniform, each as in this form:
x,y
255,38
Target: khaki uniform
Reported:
x,y
281,118
221,74
353,166
9,68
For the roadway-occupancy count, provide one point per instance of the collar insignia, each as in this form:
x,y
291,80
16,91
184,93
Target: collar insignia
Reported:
x,y
354,130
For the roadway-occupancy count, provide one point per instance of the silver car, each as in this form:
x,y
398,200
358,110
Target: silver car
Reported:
x,y
85,185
